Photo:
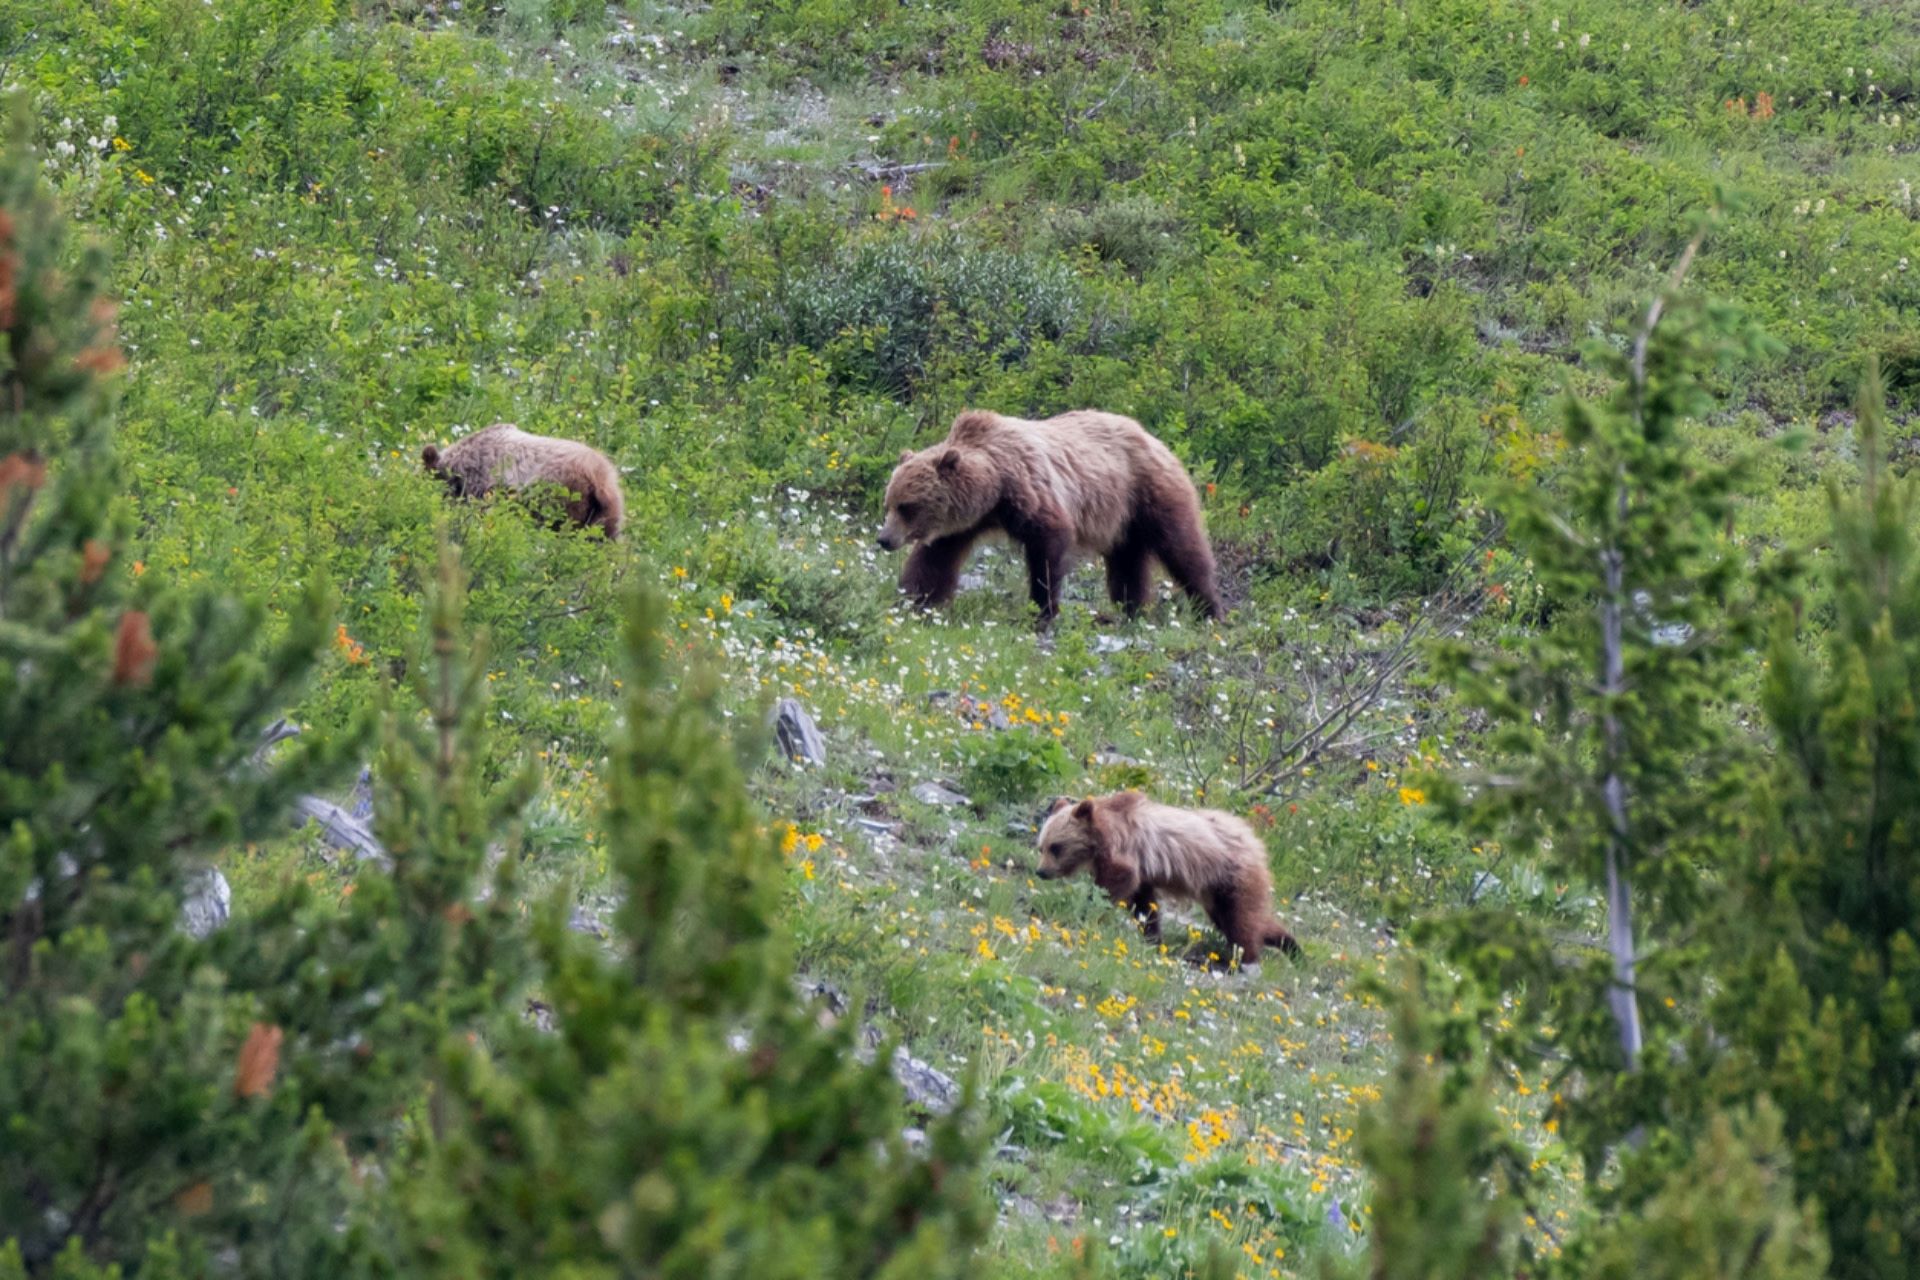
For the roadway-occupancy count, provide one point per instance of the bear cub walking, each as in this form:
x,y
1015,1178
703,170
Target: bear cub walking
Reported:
x,y
1086,482
1138,849
504,456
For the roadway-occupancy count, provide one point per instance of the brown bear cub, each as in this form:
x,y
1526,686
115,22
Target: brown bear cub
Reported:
x,y
504,456
1087,482
1138,849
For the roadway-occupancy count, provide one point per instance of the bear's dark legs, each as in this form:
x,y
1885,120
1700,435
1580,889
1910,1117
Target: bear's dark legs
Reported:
x,y
1129,575
1145,906
1046,571
932,573
1237,916
1278,936
1182,547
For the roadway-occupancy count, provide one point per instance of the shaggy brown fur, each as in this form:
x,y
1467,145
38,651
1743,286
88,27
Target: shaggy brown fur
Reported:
x,y
1086,482
503,456
1138,849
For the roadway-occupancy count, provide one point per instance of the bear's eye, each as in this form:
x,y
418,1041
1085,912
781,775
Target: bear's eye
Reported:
x,y
907,509
1056,849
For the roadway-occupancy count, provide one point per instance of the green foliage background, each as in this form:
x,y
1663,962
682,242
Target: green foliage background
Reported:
x,y
1343,257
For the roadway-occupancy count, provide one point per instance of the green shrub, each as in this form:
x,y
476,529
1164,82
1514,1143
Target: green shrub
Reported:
x,y
883,311
1013,764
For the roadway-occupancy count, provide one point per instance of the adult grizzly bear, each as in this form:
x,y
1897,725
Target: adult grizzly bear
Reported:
x,y
1138,849
1088,482
504,456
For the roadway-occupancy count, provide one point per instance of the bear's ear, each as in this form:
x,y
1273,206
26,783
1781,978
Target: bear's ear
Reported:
x,y
949,462
431,456
906,454
1059,803
1083,812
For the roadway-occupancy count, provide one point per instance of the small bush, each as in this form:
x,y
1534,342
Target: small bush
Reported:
x,y
1014,765
1137,232
881,312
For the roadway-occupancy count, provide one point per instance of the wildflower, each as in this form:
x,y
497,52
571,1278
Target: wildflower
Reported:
x,y
789,840
144,176
121,144
679,571
1524,82
1412,795
349,647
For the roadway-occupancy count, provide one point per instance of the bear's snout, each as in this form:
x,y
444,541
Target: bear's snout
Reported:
x,y
1045,873
888,541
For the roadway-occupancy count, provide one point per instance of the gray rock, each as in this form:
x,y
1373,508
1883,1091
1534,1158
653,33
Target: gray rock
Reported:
x,y
936,793
999,719
1110,644
1671,635
587,921
926,1087
340,828
875,827
797,734
207,904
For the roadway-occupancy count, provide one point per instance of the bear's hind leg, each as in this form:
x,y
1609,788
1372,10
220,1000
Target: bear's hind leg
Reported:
x,y
1181,545
932,573
1129,575
1237,917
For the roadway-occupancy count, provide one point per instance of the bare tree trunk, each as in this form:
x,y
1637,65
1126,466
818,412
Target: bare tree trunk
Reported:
x,y
1622,997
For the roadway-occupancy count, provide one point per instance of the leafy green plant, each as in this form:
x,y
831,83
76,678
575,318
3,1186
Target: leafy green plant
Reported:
x,y
883,312
168,1092
1819,960
1624,782
1015,764
686,1115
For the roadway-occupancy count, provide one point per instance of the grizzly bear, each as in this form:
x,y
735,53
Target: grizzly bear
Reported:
x,y
1088,482
1138,849
503,456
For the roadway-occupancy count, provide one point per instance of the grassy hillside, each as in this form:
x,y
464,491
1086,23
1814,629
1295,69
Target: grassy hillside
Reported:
x,y
1341,256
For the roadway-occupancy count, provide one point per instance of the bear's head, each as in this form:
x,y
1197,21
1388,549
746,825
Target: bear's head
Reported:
x,y
436,464
946,489
1069,839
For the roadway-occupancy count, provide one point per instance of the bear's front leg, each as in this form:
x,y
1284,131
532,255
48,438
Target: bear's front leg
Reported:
x,y
1145,906
932,572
